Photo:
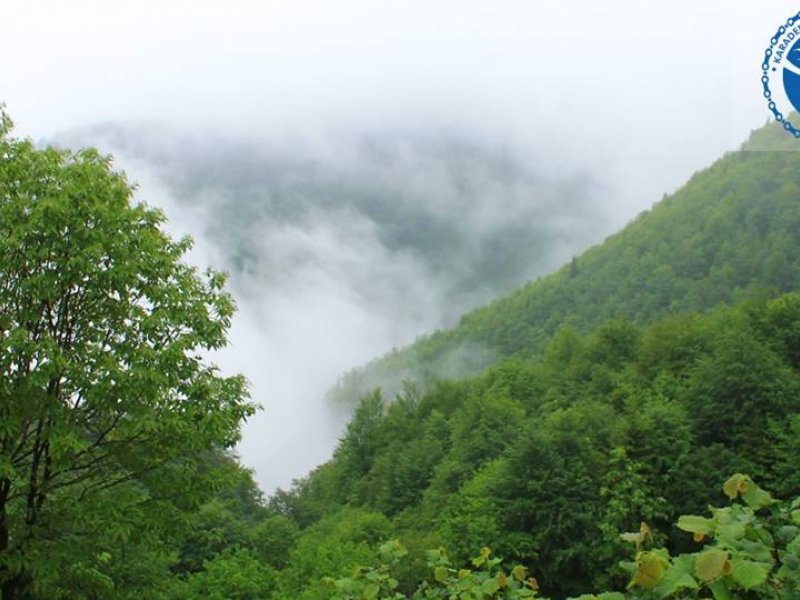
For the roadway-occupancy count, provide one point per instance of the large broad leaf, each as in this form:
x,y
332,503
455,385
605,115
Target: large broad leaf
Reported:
x,y
749,574
735,484
757,498
441,574
720,590
371,591
757,550
490,586
694,524
649,570
729,533
677,577
518,572
712,564
753,495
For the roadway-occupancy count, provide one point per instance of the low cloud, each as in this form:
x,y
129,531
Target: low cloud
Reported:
x,y
342,248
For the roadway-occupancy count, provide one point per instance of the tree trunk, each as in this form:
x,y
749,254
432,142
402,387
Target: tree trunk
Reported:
x,y
7,583
10,585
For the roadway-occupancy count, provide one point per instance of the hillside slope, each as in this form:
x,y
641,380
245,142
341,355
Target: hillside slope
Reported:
x,y
731,233
590,422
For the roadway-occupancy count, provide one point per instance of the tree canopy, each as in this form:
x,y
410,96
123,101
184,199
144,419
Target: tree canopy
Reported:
x,y
108,407
116,481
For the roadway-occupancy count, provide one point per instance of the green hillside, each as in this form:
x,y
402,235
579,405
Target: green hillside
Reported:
x,y
544,461
730,233
619,393
624,389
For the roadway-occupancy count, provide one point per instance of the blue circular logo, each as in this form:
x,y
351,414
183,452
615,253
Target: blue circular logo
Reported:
x,y
780,73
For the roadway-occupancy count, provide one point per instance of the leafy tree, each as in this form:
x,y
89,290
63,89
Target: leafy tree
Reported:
x,y
363,438
235,574
230,518
273,538
549,497
471,516
628,497
752,550
737,388
107,406
333,546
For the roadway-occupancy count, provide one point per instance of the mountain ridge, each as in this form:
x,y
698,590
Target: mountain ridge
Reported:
x,y
643,271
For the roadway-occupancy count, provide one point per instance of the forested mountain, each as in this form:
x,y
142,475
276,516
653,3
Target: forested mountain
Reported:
x,y
545,461
612,396
624,389
358,241
730,233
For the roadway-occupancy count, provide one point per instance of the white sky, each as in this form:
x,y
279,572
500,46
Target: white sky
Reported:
x,y
629,84
643,92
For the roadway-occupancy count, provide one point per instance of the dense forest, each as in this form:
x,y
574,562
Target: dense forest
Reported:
x,y
577,428
729,234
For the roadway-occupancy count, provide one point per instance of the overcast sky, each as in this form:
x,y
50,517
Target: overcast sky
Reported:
x,y
640,94
661,78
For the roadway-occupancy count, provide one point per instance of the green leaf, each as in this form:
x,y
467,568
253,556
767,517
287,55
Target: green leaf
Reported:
x,y
678,576
694,524
502,580
720,590
371,591
757,498
735,484
711,564
519,573
649,570
749,574
440,574
490,586
756,550
731,532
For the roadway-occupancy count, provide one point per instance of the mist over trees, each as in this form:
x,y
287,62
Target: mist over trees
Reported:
x,y
729,234
275,206
583,431
613,396
354,241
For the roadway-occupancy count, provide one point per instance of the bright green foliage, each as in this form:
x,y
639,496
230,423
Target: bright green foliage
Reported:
x,y
486,581
754,551
368,583
332,547
358,449
738,387
235,574
472,514
107,409
753,548
594,418
547,460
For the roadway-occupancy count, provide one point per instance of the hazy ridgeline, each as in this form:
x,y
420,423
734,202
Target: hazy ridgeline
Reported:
x,y
341,247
